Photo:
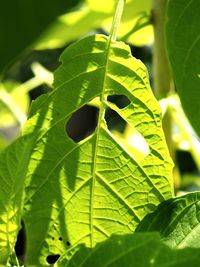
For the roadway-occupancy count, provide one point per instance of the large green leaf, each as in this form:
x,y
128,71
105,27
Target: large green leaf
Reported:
x,y
22,21
183,45
84,192
177,220
138,250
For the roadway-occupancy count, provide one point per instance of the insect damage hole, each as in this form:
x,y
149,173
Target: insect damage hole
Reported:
x,y
68,243
121,101
51,259
126,135
82,123
21,243
114,121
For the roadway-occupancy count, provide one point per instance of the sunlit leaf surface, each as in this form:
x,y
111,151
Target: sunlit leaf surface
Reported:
x,y
82,192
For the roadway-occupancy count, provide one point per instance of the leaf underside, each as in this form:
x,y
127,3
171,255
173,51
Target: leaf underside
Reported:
x,y
84,192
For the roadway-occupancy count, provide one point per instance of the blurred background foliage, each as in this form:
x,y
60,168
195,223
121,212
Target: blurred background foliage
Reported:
x,y
33,35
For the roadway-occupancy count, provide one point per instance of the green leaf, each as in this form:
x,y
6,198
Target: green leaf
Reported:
x,y
136,250
177,220
22,22
3,142
13,168
183,44
84,192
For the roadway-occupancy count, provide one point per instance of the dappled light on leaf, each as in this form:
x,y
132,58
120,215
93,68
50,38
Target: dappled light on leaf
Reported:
x,y
92,184
84,192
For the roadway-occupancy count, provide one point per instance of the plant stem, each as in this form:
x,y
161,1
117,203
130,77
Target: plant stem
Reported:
x,y
117,19
162,78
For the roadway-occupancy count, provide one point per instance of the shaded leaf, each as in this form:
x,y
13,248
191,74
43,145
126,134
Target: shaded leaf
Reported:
x,y
177,220
183,44
136,250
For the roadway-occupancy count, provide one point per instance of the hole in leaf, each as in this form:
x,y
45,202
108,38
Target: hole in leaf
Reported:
x,y
127,136
82,123
60,239
68,243
121,101
51,259
21,244
114,121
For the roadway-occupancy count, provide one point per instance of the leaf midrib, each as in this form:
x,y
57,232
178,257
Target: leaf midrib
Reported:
x,y
100,119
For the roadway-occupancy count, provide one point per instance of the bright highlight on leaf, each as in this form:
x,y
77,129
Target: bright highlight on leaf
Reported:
x,y
94,188
84,192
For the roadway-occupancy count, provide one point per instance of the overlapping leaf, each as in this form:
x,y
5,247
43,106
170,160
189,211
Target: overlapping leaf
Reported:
x,y
83,192
183,44
177,220
136,250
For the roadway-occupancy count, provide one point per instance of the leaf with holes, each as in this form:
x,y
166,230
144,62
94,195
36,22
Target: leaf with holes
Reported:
x,y
177,220
140,249
85,191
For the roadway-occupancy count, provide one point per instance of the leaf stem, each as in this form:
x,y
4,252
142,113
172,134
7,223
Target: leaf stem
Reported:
x,y
163,84
117,19
162,77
